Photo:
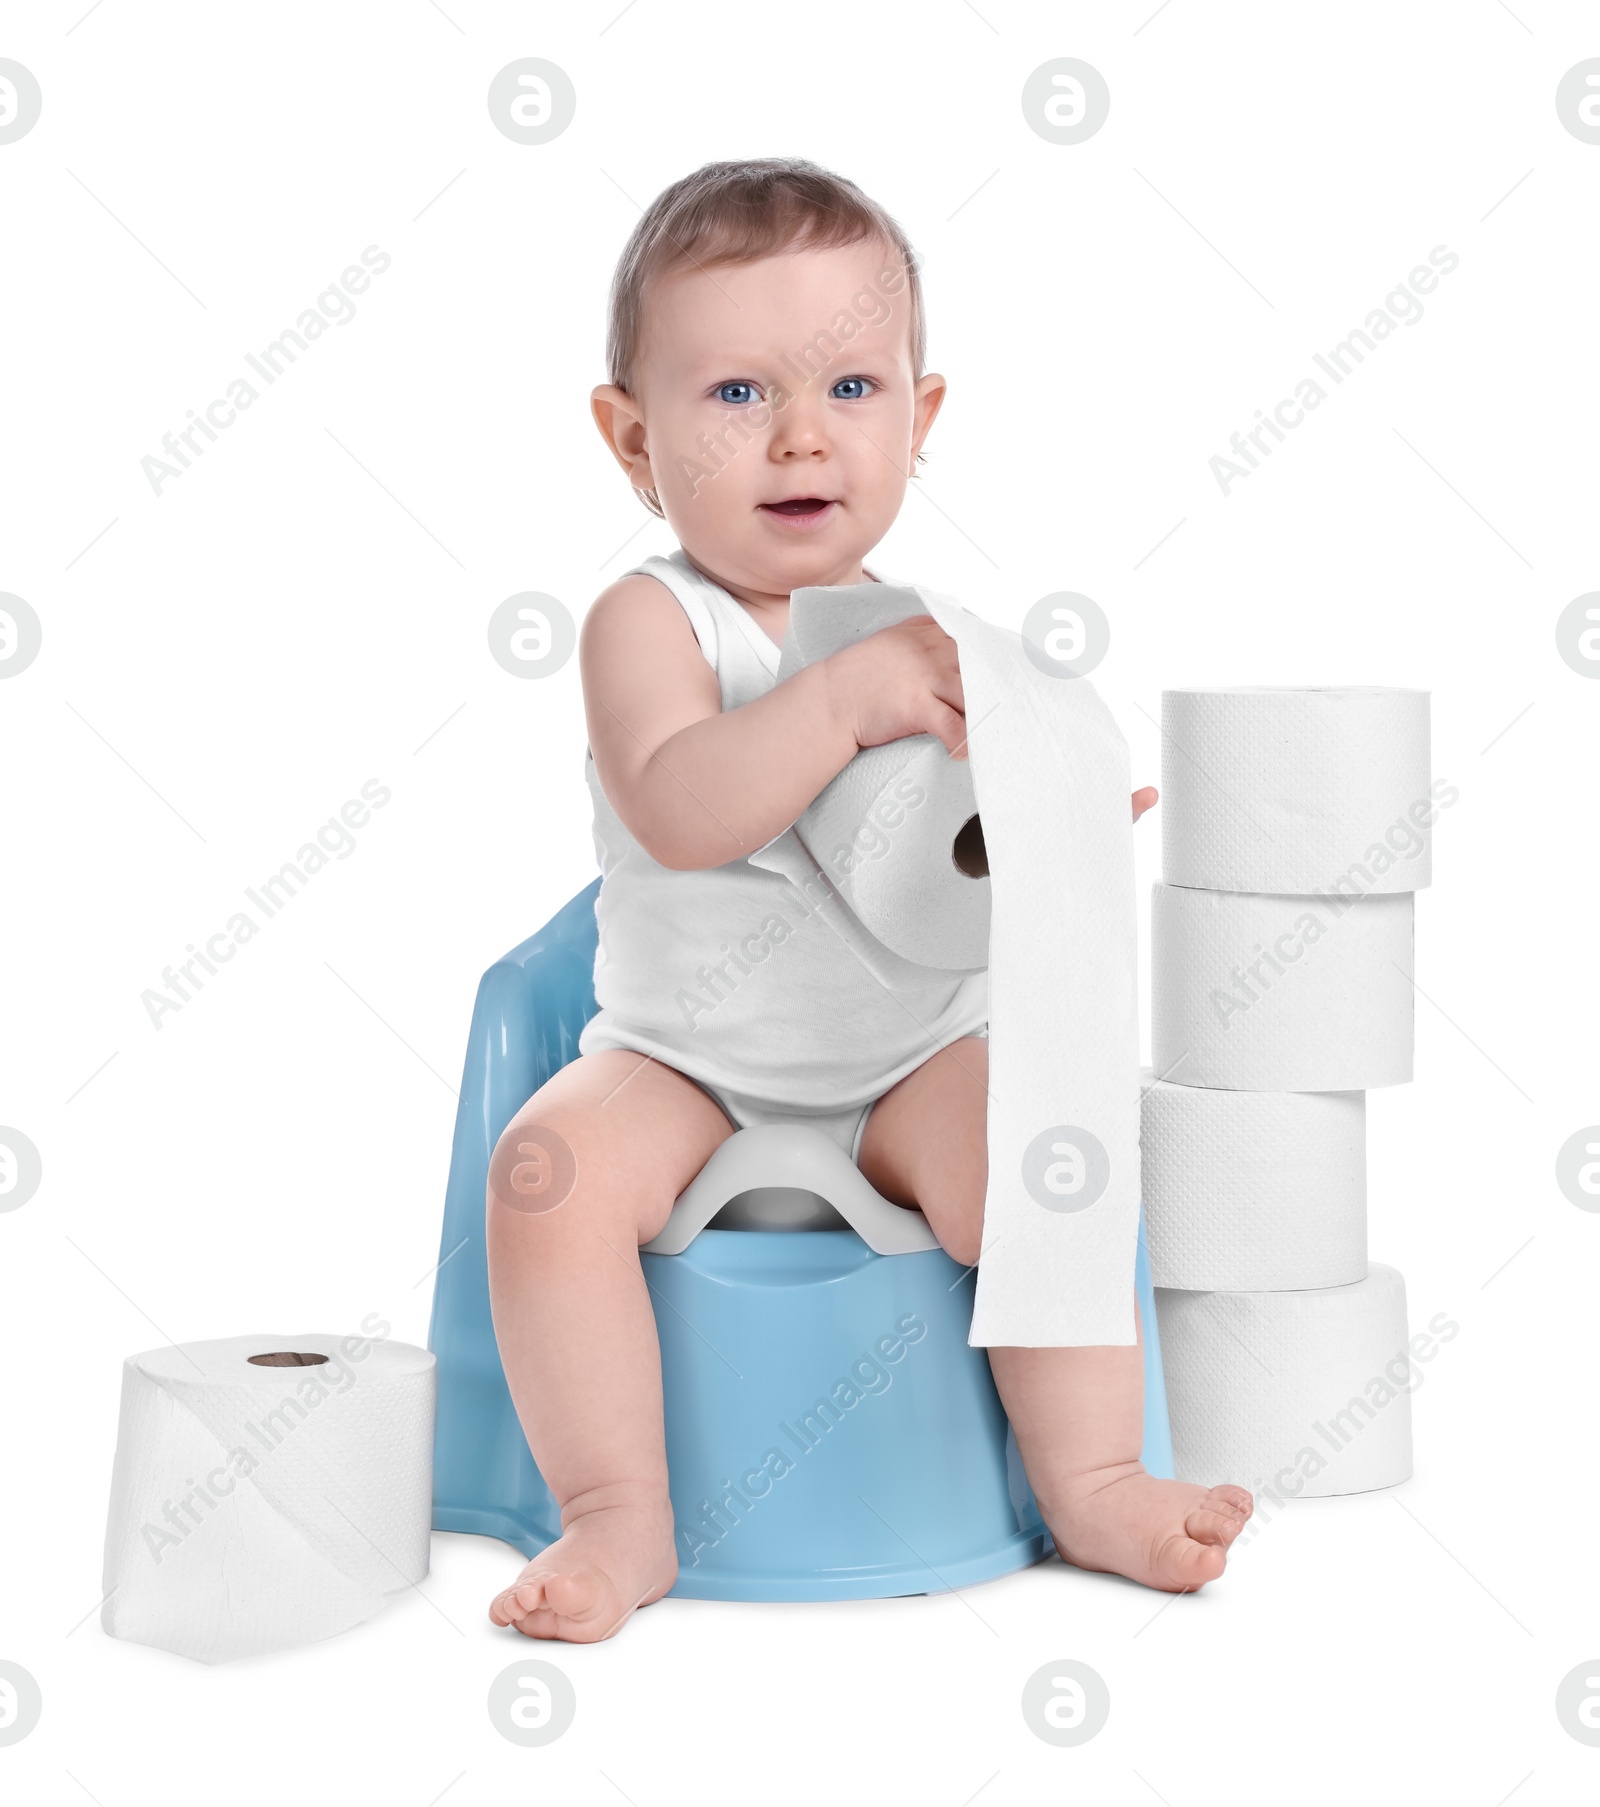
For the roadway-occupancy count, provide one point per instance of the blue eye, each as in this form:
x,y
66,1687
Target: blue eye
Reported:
x,y
854,388
747,390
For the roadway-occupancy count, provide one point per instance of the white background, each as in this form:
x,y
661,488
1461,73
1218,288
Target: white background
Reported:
x,y
305,610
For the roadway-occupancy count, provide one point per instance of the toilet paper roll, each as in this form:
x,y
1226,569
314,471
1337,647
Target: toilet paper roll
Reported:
x,y
1307,1394
1281,994
1296,790
1049,771
259,1505
1253,1191
897,831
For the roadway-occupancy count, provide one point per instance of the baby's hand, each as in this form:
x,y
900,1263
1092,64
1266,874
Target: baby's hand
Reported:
x,y
901,680
906,679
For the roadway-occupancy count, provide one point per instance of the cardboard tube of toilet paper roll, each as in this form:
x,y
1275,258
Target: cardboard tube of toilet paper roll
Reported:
x,y
1296,791
1300,1394
257,1505
1281,994
1049,771
1253,1191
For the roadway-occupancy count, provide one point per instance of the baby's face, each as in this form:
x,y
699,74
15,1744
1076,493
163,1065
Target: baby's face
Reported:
x,y
780,413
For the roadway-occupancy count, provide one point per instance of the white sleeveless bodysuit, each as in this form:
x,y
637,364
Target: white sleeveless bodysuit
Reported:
x,y
729,975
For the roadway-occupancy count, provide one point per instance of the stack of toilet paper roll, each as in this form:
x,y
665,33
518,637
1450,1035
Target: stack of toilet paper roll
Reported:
x,y
1296,828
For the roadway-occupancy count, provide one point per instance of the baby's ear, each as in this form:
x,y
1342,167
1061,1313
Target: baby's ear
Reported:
x,y
930,393
621,426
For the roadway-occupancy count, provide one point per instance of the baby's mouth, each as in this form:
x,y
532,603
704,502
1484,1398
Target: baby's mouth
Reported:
x,y
798,507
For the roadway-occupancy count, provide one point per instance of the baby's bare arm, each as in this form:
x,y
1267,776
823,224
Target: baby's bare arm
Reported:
x,y
696,787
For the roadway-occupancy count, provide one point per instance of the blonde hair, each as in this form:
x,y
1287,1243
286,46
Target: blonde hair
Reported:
x,y
738,213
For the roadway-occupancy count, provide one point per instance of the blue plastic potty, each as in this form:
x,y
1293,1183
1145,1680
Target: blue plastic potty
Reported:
x,y
830,1433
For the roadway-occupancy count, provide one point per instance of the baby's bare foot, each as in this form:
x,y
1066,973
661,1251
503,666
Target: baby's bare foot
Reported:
x,y
1167,1534
589,1581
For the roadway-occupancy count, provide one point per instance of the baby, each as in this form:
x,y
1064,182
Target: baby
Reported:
x,y
768,399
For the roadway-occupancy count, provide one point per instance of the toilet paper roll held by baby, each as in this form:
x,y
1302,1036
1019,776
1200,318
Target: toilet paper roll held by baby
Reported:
x,y
897,831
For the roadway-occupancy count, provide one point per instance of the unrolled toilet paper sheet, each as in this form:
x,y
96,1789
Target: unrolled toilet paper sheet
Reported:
x,y
1280,994
258,1507
1308,1393
1296,791
1252,1191
1048,772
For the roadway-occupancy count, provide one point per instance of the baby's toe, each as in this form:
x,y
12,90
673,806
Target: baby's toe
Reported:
x,y
1182,1563
576,1595
505,1607
525,1595
1219,1515
531,1592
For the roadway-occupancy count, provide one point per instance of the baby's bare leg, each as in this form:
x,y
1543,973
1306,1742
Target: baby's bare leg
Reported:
x,y
576,1332
1078,1413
